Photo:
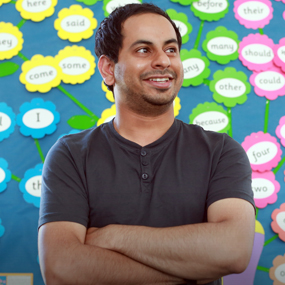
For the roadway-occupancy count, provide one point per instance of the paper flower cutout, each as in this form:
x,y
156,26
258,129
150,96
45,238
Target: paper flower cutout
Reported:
x,y
184,2
278,224
280,130
37,118
269,83
40,74
181,21
195,67
263,151
75,23
210,116
230,87
256,52
4,1
2,229
210,11
107,115
221,45
279,54
176,106
5,174
36,10
109,94
7,121
265,188
253,14
110,5
11,40
88,2
77,64
276,273
31,184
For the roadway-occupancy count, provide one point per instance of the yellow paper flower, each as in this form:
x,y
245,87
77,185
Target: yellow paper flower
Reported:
x,y
77,64
75,23
176,106
36,10
11,40
107,115
109,94
4,1
40,74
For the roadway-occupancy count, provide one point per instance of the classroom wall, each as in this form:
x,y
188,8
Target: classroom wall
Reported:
x,y
233,57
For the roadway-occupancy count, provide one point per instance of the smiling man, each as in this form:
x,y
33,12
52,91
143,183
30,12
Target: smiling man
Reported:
x,y
145,198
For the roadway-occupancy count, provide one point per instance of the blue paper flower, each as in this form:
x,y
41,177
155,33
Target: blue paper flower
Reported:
x,y
5,174
74,131
7,121
2,229
37,118
31,184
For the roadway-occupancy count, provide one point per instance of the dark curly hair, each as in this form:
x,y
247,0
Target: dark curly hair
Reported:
x,y
108,38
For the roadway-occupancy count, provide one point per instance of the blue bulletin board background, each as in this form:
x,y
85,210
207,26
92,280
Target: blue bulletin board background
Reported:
x,y
19,214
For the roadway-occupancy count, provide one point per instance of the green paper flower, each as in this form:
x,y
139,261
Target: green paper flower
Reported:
x,y
195,67
211,117
221,45
88,2
207,10
184,2
181,21
230,87
110,5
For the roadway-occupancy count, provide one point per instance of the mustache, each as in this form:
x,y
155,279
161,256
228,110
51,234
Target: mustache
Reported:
x,y
158,72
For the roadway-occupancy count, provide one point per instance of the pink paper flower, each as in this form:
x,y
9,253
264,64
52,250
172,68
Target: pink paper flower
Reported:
x,y
279,54
280,130
278,224
265,188
263,151
276,273
269,83
256,52
253,14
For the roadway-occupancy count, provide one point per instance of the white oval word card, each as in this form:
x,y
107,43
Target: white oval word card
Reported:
x,y
222,46
41,74
33,186
262,152
38,118
75,24
193,67
230,87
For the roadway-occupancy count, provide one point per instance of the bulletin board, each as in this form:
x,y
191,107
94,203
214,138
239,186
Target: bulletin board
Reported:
x,y
233,55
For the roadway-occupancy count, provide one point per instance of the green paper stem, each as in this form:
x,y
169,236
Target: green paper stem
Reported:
x,y
261,31
230,132
199,35
12,2
78,103
271,240
279,165
257,210
22,56
39,150
266,116
263,268
207,81
21,23
14,177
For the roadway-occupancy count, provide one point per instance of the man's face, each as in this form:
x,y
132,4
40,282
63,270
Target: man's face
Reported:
x,y
149,73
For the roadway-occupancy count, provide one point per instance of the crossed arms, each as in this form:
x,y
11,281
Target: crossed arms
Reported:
x,y
120,254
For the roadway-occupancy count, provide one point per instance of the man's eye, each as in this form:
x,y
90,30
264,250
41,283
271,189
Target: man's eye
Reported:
x,y
171,50
142,50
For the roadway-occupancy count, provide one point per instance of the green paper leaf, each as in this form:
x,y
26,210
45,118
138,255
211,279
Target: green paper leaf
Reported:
x,y
230,87
211,117
81,122
88,2
195,67
8,68
110,5
184,2
181,21
210,11
221,45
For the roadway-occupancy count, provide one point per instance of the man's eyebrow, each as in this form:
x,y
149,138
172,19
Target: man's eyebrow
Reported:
x,y
146,42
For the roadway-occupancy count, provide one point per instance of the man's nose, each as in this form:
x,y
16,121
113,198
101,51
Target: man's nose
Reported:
x,y
161,60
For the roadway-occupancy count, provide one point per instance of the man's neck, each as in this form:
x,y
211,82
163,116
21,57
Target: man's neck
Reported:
x,y
141,129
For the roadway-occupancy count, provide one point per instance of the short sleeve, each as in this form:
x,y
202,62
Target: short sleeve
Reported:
x,y
231,176
63,192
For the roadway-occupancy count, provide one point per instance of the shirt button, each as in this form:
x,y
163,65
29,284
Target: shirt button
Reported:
x,y
145,176
144,163
143,153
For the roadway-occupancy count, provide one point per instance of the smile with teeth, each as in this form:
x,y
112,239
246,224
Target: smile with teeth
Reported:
x,y
159,79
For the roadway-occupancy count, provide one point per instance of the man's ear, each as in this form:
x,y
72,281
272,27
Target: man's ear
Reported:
x,y
106,68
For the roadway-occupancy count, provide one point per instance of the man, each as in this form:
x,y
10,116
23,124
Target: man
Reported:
x,y
144,199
